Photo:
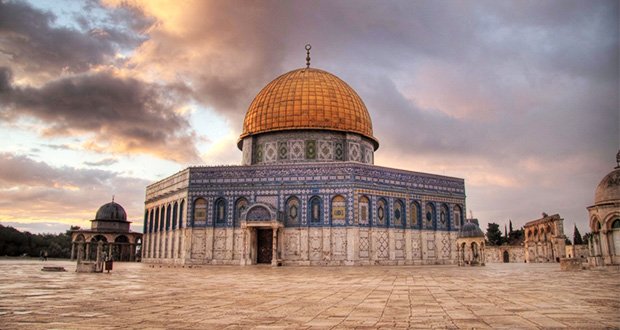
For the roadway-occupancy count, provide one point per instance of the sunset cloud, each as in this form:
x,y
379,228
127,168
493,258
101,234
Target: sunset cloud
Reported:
x,y
518,98
123,115
31,191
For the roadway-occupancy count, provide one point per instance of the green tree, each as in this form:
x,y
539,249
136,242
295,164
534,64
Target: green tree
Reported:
x,y
577,236
494,235
567,241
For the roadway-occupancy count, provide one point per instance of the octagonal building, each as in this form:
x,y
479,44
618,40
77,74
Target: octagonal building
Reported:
x,y
307,192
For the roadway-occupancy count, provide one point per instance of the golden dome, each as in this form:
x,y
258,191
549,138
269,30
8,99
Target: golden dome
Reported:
x,y
307,98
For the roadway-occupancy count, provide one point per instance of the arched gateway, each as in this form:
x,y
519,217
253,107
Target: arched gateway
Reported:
x,y
261,225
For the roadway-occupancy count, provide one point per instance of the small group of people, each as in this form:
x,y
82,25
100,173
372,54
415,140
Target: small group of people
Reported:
x,y
43,255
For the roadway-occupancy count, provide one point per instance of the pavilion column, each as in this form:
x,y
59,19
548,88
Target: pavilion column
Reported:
x,y
80,252
87,251
132,252
72,251
605,246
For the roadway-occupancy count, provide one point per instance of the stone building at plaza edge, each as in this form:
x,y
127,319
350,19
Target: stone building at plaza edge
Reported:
x,y
307,192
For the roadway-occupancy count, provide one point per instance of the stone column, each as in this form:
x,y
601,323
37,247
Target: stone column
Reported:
x,y
274,249
132,252
244,251
87,251
72,251
80,252
605,247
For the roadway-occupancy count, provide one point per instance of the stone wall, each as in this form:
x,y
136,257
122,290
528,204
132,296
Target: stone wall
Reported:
x,y
577,251
308,246
495,254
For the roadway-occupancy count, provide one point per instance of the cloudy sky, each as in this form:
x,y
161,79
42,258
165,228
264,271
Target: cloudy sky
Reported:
x,y
102,98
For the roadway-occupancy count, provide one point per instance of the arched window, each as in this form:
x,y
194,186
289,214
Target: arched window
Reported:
x,y
381,212
156,227
338,209
363,214
151,221
399,215
292,211
415,215
458,214
316,214
615,236
146,219
162,213
168,211
429,216
181,209
200,211
240,205
220,211
444,217
175,211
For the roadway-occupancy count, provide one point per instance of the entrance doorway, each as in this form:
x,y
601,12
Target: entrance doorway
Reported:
x,y
506,256
264,245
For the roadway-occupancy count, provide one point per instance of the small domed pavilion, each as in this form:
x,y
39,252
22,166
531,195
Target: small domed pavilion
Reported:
x,y
470,244
111,227
605,220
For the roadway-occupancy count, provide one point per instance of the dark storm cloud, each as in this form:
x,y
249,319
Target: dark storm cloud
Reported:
x,y
125,115
31,41
30,188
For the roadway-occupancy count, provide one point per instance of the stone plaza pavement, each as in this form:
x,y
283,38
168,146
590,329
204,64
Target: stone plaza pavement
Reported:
x,y
135,295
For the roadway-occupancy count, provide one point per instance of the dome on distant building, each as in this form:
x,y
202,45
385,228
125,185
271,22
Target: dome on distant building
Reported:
x,y
307,99
471,229
111,212
609,188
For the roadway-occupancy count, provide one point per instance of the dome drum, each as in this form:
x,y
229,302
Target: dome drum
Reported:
x,y
307,146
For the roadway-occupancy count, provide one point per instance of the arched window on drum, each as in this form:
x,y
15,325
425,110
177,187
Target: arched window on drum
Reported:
x,y
200,212
240,206
315,210
429,216
415,215
363,215
338,210
382,212
399,214
444,217
292,211
220,211
458,216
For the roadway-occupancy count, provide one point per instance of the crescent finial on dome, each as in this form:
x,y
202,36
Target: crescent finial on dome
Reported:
x,y
308,47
